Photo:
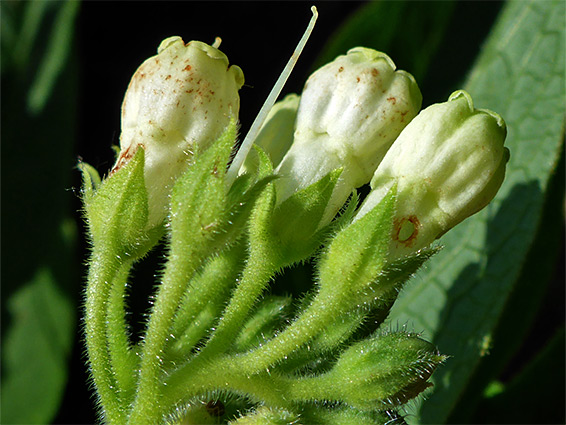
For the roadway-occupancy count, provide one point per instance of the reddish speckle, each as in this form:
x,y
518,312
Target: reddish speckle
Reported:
x,y
341,69
125,157
374,72
358,79
188,68
392,100
168,77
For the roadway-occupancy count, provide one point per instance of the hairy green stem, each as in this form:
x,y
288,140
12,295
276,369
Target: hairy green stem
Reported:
x,y
309,324
122,359
179,269
257,273
205,298
225,374
104,266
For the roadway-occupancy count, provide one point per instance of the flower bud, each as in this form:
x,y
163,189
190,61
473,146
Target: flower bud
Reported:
x,y
350,112
178,101
447,164
383,371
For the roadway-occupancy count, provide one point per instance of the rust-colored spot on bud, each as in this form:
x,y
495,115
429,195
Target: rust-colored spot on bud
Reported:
x,y
187,68
341,69
374,72
406,230
125,157
393,100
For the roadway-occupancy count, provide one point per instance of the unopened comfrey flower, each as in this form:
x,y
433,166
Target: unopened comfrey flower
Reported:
x,y
447,164
350,112
178,101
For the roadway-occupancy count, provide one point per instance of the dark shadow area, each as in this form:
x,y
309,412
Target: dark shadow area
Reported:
x,y
514,307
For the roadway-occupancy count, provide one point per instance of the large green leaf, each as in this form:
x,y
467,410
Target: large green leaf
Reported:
x,y
35,353
459,297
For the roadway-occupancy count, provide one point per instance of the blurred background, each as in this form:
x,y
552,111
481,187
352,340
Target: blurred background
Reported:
x,y
65,67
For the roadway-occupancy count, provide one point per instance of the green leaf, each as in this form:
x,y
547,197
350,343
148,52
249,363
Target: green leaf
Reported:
x,y
36,350
349,271
523,307
55,58
460,296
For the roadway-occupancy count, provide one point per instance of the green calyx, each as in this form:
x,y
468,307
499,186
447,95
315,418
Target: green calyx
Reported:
x,y
116,209
384,371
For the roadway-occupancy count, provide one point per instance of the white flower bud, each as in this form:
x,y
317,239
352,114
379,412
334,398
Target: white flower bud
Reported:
x,y
178,101
447,164
350,112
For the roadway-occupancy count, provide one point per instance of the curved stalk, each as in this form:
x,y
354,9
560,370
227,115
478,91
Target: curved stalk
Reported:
x,y
103,269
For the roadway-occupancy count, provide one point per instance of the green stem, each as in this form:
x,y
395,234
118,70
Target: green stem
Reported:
x,y
309,324
225,374
180,268
259,361
257,273
313,388
103,269
203,301
122,359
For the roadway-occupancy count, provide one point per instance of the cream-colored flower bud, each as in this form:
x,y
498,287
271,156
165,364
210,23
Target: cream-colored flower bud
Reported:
x,y
447,164
351,110
178,101
276,134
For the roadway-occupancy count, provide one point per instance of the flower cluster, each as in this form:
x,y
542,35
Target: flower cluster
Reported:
x,y
359,114
216,345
